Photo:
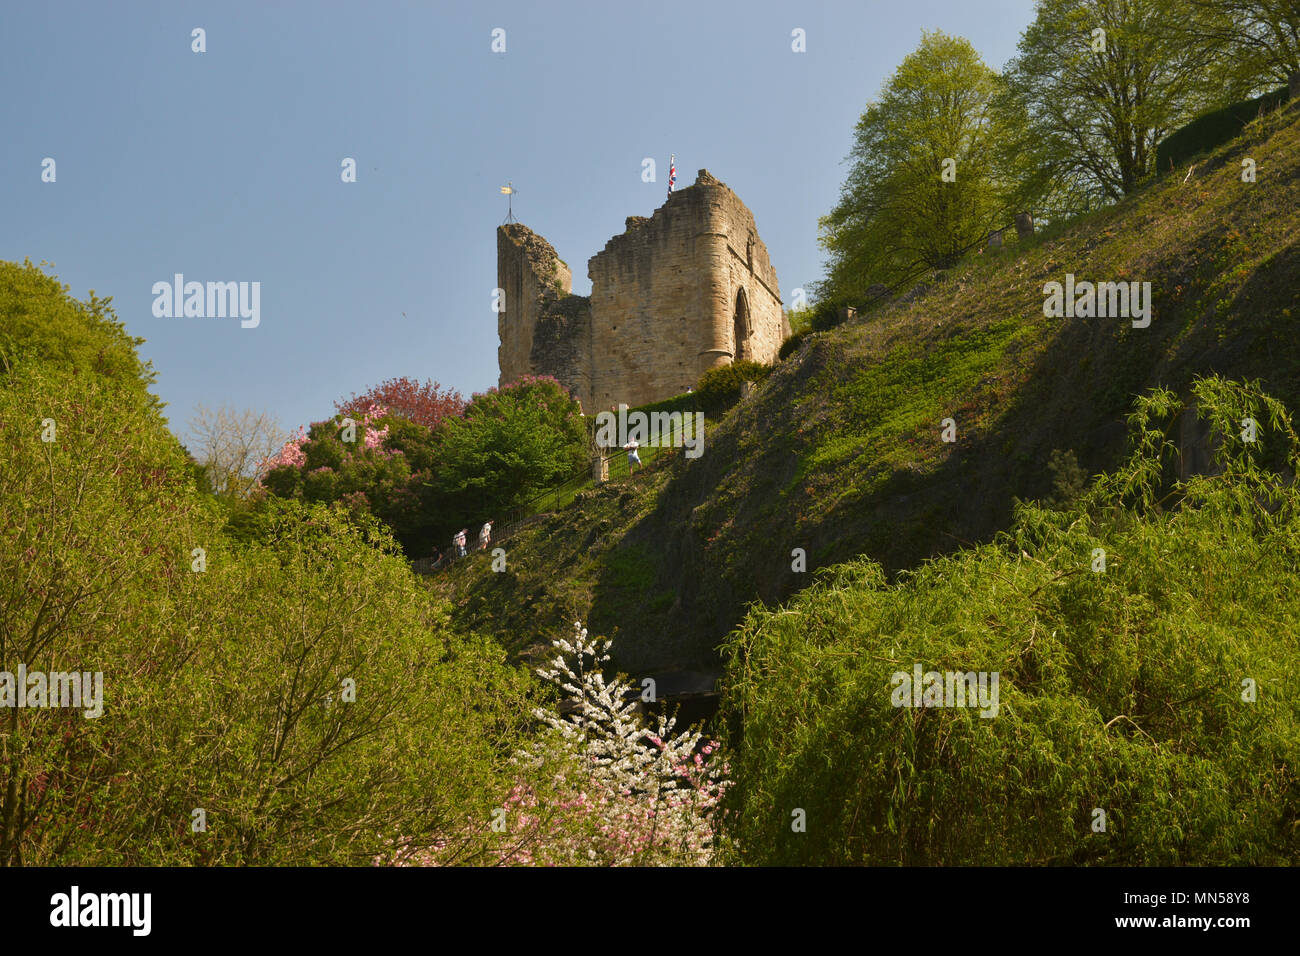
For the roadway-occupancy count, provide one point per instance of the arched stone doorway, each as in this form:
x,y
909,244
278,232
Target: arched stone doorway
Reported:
x,y
742,329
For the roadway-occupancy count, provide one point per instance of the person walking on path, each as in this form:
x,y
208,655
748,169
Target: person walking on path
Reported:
x,y
632,457
484,535
459,542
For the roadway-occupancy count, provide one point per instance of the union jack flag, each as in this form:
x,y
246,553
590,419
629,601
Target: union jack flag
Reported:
x,y
672,172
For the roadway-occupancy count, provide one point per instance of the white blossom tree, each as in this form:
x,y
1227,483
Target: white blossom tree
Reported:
x,y
627,794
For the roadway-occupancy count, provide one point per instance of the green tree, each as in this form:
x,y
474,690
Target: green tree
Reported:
x,y
510,444
41,322
1095,86
328,706
301,688
1259,38
99,511
898,210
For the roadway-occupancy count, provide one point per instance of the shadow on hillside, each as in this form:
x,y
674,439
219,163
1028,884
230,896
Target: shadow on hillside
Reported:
x,y
720,536
1080,389
1250,337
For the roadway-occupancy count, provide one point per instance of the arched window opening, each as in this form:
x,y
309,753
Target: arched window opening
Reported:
x,y
742,328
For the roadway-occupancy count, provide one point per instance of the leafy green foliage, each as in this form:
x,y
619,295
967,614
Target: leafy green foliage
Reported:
x,y
383,471
415,754
800,320
719,388
510,444
225,662
1258,40
1084,110
898,211
427,483
41,322
1120,690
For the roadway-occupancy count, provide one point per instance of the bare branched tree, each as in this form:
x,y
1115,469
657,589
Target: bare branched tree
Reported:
x,y
231,444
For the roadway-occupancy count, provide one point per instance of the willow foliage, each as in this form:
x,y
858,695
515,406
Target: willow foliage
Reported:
x,y
1156,697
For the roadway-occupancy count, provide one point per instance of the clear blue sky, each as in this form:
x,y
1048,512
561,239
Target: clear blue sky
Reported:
x,y
225,165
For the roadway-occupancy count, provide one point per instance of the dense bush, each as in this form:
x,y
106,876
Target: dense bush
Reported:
x,y
789,346
40,321
228,667
427,483
1124,690
719,388
827,314
510,444
382,465
1213,129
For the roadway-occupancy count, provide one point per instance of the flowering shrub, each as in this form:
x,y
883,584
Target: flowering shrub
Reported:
x,y
622,794
382,469
478,462
291,454
426,403
597,789
374,436
294,454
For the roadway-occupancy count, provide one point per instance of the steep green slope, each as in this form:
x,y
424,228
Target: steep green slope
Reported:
x,y
1133,658
839,452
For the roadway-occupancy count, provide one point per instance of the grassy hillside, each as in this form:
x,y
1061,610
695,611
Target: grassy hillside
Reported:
x,y
839,452
1139,704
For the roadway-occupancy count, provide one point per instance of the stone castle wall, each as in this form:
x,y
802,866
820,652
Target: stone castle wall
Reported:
x,y
676,294
533,278
562,344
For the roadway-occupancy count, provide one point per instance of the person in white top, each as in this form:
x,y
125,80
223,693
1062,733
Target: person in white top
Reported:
x,y
484,535
632,457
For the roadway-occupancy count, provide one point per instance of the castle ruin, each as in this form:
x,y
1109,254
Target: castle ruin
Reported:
x,y
686,290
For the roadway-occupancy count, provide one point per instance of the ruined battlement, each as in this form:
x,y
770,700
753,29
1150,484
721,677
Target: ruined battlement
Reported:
x,y
679,292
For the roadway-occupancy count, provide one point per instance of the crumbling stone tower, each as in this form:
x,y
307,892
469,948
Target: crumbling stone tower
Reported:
x,y
685,290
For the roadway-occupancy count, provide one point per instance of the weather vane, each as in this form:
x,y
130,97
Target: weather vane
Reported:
x,y
509,190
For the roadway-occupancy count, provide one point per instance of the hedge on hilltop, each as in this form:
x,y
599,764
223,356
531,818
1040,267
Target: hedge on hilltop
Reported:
x,y
1213,129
